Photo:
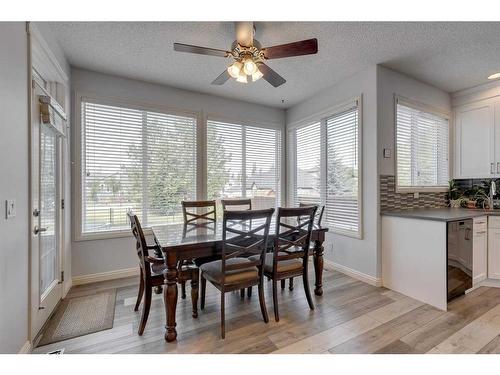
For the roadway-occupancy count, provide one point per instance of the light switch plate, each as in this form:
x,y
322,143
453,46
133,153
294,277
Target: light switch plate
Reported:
x,y
387,153
10,208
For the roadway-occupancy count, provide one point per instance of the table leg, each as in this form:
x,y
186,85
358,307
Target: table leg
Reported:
x,y
170,297
318,267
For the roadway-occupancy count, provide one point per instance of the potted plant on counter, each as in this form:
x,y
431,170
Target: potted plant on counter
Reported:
x,y
455,195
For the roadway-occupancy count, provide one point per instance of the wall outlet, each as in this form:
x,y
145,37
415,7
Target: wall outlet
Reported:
x,y
10,209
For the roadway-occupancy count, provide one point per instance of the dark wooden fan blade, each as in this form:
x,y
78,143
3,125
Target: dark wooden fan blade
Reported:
x,y
222,78
271,76
179,47
304,47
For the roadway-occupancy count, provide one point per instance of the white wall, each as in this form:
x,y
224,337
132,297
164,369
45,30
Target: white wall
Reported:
x,y
358,254
99,256
390,83
14,185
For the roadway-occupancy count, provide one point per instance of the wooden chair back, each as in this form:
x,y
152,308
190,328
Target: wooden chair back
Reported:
x,y
319,212
240,204
245,233
191,216
141,246
293,233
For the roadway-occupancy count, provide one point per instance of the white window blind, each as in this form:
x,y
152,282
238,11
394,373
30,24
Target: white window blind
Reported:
x,y
243,162
307,183
327,168
134,160
421,148
342,176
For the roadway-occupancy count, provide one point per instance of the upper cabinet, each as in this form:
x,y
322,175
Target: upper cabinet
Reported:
x,y
477,140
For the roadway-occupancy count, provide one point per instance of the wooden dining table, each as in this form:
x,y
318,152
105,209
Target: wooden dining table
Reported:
x,y
180,242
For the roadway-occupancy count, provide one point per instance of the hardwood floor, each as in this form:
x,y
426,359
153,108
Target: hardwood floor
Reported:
x,y
350,317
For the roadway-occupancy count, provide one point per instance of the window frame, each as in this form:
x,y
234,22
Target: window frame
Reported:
x,y
262,124
322,117
201,118
77,208
413,104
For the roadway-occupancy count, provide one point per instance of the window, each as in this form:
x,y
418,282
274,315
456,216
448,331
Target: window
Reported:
x,y
342,208
243,162
326,155
134,160
421,148
307,187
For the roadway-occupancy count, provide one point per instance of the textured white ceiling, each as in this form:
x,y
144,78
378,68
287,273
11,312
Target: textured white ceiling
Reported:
x,y
451,56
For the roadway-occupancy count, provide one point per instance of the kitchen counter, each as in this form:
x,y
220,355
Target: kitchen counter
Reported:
x,y
442,214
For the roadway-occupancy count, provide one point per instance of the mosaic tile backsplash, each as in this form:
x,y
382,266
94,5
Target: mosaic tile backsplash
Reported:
x,y
390,200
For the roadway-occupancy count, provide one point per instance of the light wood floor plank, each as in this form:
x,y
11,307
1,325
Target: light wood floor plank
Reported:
x,y
350,317
473,336
379,337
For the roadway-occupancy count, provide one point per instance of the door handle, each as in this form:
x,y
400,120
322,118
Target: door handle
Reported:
x,y
37,230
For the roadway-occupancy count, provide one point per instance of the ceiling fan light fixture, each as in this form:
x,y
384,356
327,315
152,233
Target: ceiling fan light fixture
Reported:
x,y
257,75
249,67
235,69
242,78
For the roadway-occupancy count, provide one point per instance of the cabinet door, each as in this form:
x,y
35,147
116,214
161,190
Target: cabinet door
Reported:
x,y
475,130
494,253
497,137
480,249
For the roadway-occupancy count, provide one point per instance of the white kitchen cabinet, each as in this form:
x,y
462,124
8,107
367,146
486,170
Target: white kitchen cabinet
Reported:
x,y
494,247
480,249
475,141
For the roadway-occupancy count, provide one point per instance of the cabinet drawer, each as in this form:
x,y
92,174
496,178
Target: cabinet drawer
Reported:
x,y
494,222
480,229
480,220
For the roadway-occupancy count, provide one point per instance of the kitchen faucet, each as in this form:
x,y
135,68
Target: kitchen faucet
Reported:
x,y
493,191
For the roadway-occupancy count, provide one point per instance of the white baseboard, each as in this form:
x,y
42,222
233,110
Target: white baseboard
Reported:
x,y
104,276
26,349
375,281
66,287
489,283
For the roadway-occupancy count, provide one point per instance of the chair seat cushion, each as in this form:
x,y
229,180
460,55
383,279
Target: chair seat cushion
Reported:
x,y
283,265
213,271
157,269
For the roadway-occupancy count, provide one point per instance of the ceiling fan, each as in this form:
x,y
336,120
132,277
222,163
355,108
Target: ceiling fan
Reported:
x,y
249,56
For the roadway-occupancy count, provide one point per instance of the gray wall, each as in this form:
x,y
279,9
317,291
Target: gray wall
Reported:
x,y
14,185
98,256
390,82
357,254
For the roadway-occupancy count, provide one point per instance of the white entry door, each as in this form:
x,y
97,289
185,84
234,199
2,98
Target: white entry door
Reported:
x,y
46,277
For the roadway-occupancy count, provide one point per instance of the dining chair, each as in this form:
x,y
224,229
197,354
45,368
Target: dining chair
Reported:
x,y
290,254
236,204
194,215
198,214
151,273
318,217
233,271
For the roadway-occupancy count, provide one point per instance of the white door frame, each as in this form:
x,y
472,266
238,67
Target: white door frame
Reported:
x,y
41,58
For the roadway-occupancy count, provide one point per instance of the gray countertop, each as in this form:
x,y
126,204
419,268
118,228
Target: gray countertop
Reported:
x,y
442,214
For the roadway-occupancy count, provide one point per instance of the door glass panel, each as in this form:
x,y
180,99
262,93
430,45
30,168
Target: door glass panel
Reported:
x,y
48,187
